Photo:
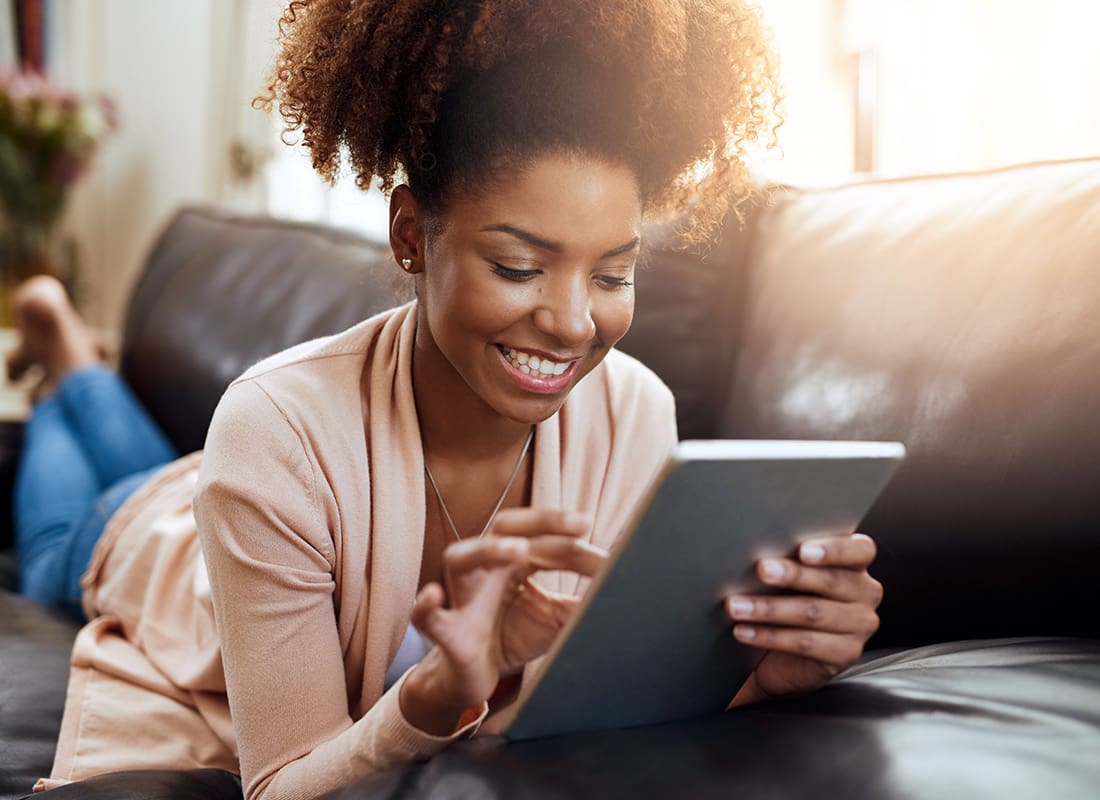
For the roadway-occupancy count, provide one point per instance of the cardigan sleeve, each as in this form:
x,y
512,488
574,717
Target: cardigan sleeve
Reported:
x,y
270,560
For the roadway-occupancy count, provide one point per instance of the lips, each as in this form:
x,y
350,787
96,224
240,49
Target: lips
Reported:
x,y
537,373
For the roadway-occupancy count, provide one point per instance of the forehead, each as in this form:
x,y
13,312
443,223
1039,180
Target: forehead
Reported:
x,y
578,201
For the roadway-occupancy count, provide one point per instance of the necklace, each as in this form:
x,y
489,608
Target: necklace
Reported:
x,y
500,501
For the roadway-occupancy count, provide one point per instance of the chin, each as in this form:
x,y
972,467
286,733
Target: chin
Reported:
x,y
531,412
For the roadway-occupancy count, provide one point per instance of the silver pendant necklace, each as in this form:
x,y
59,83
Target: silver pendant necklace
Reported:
x,y
500,501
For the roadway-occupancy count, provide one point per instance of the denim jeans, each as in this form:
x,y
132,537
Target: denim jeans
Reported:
x,y
85,450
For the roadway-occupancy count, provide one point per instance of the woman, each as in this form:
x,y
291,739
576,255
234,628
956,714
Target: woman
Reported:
x,y
396,521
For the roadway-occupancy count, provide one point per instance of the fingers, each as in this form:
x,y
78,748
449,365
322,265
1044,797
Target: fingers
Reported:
x,y
535,522
836,583
428,614
805,612
554,536
471,554
468,566
856,551
547,539
565,553
837,650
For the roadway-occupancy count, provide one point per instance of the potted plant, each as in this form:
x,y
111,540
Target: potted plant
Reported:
x,y
48,138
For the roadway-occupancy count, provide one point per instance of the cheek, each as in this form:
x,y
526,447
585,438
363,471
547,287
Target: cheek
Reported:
x,y
466,302
613,316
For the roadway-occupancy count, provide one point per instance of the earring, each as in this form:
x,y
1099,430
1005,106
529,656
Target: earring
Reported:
x,y
407,264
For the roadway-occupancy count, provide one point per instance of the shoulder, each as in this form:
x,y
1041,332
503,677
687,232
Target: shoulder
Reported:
x,y
299,411
324,353
311,382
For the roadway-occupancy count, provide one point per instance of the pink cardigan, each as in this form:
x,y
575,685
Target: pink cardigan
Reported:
x,y
310,507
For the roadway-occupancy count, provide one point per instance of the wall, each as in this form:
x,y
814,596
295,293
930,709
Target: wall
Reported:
x,y
156,61
975,84
962,84
815,74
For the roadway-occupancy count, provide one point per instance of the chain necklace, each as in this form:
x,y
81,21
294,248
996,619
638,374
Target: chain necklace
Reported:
x,y
500,501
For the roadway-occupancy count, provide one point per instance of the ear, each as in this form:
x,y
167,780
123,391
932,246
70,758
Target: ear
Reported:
x,y
407,230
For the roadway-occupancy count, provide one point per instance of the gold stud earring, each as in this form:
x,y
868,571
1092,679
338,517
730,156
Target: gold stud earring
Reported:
x,y
407,264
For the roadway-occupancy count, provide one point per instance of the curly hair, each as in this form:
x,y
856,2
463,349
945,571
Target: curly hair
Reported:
x,y
446,93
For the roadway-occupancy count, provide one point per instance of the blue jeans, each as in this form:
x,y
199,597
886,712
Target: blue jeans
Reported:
x,y
85,450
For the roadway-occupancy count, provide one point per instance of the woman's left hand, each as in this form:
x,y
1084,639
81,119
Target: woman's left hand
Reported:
x,y
818,632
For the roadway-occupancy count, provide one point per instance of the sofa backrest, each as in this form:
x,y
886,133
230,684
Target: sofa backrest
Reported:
x,y
960,315
221,291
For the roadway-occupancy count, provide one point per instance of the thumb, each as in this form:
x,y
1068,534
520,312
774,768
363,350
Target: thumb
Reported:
x,y
428,614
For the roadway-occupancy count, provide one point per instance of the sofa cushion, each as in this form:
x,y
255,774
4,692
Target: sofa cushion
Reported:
x,y
1001,719
34,671
957,314
152,784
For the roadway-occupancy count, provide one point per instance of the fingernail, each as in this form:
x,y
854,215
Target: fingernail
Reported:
x,y
746,632
513,546
739,607
773,569
812,553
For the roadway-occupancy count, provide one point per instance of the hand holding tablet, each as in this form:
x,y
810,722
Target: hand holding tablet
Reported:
x,y
651,641
812,636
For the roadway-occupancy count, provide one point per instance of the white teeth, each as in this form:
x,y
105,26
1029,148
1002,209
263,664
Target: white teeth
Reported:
x,y
533,365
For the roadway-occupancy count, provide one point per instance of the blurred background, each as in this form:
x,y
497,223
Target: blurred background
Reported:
x,y
161,91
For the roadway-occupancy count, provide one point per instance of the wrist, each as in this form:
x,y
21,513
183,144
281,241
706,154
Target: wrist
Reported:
x,y
428,702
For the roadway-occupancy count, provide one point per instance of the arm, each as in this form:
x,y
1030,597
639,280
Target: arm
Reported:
x,y
270,559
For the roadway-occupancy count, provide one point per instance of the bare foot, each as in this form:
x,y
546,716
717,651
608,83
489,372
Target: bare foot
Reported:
x,y
51,333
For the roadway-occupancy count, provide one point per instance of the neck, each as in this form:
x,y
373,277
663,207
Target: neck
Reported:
x,y
454,422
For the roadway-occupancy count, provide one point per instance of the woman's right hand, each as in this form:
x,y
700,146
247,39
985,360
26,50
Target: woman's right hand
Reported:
x,y
496,618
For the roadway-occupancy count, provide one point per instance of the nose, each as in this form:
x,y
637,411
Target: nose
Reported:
x,y
565,311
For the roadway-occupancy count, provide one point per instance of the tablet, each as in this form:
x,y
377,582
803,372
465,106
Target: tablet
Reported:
x,y
651,641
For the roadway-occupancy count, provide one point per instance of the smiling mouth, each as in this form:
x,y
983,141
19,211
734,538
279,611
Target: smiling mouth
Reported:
x,y
536,366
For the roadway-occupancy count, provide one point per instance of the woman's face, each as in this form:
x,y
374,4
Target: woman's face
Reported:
x,y
527,285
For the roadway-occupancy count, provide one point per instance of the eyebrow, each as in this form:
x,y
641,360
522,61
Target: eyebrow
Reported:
x,y
554,247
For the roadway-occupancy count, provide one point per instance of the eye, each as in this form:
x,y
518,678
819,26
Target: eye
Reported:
x,y
611,283
517,275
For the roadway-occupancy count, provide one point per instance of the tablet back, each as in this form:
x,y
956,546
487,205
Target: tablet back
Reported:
x,y
651,641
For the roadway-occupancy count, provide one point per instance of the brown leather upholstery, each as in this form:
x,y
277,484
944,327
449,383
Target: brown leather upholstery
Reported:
x,y
960,315
954,314
34,670
957,314
221,291
945,721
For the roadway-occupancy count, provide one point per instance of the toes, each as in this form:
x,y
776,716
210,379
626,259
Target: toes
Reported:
x,y
45,289
41,301
17,362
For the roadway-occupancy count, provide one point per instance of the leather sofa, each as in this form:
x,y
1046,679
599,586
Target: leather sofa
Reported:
x,y
959,314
